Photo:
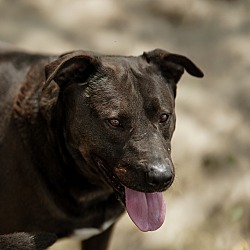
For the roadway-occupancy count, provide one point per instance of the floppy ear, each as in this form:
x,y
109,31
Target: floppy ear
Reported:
x,y
172,65
75,67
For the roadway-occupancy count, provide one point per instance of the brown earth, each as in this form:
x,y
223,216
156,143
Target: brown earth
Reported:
x,y
208,207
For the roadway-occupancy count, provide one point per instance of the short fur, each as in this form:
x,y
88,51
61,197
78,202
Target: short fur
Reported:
x,y
75,129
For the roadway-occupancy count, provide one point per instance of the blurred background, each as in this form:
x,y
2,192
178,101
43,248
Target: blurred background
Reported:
x,y
208,207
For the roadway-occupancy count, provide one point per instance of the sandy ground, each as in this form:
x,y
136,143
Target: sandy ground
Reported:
x,y
208,207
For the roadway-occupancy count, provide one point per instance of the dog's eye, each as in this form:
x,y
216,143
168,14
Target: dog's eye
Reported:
x,y
115,123
164,118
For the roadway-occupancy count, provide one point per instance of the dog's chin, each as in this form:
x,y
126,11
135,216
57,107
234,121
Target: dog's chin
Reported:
x,y
110,178
146,209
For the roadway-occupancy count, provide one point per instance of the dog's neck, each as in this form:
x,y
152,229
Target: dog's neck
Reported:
x,y
38,119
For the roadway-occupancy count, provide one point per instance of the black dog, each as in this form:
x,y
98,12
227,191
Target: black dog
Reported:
x,y
82,136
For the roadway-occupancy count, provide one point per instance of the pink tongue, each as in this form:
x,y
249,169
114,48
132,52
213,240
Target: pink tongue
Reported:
x,y
146,210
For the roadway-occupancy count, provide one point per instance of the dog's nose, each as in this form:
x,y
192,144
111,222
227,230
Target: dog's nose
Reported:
x,y
160,178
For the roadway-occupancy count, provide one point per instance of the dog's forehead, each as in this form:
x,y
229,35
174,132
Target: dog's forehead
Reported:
x,y
131,71
119,66
129,84
136,73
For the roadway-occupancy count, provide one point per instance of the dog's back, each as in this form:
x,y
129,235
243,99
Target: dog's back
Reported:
x,y
14,189
14,66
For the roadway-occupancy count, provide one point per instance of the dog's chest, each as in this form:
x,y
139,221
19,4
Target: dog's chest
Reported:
x,y
86,233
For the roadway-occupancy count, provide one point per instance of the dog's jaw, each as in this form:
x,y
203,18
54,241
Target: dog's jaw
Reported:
x,y
112,180
146,210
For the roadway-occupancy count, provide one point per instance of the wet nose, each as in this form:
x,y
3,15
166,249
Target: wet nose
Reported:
x,y
160,178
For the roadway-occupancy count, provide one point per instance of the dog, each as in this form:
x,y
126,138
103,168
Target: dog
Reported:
x,y
84,137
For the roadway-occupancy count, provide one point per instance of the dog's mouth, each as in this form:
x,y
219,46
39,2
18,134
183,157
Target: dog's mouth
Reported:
x,y
112,180
147,210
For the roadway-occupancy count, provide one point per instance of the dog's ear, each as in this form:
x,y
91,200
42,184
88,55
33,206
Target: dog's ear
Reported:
x,y
172,65
75,67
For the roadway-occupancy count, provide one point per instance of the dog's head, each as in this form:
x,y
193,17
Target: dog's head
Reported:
x,y
119,115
